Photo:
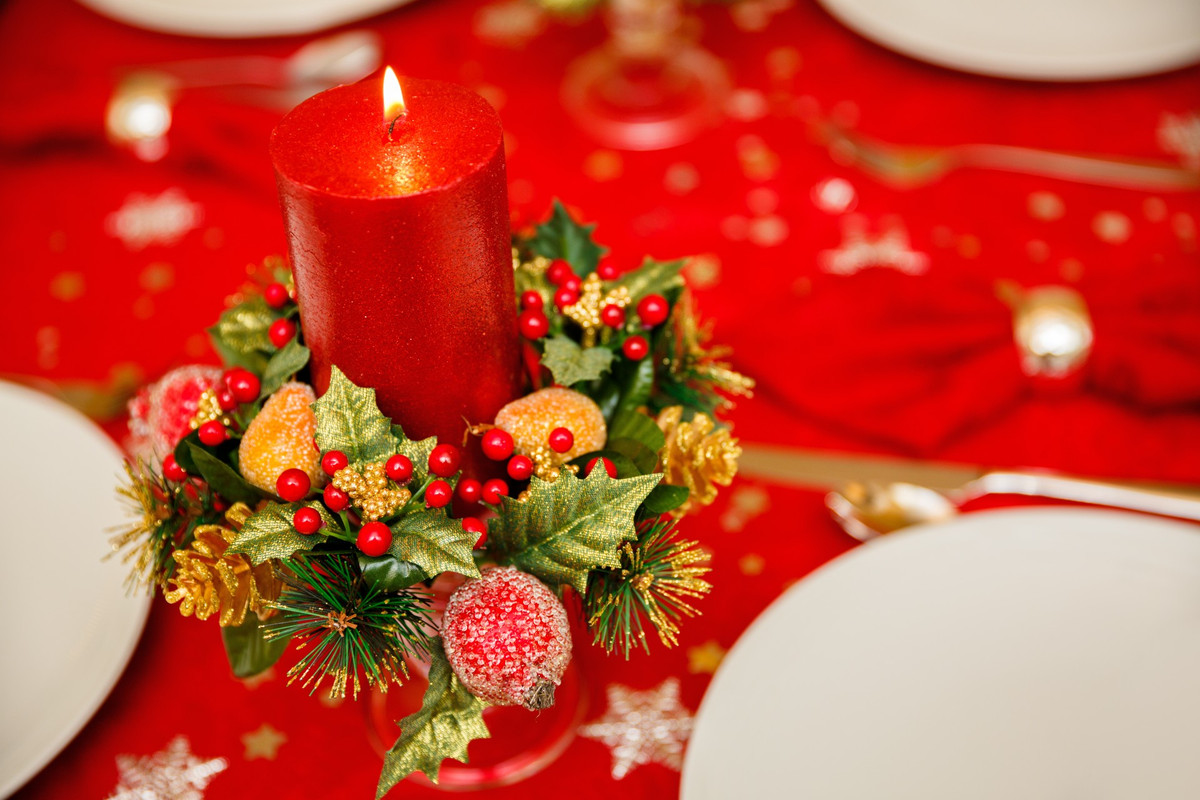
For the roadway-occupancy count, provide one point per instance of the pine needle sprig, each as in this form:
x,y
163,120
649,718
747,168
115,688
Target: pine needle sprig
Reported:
x,y
653,589
697,377
350,626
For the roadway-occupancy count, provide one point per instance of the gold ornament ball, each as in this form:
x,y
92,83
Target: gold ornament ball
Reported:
x,y
530,419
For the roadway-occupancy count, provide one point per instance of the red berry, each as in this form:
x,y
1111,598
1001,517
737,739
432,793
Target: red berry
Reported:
x,y
469,490
520,468
493,490
497,444
564,298
225,399
572,284
276,295
171,469
532,300
243,385
635,348
281,332
292,485
219,503
609,467
533,324
475,526
561,440
607,271
612,315
374,538
307,520
653,310
438,494
444,460
212,433
333,461
336,499
399,468
559,271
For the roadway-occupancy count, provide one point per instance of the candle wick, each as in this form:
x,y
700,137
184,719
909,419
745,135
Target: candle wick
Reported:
x,y
397,118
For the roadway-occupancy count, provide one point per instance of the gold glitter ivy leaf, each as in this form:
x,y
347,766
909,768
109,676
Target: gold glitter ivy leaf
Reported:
x,y
653,277
240,335
696,456
417,450
435,543
270,534
570,363
349,420
450,718
563,530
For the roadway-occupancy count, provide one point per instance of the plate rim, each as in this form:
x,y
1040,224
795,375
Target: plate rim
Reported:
x,y
302,17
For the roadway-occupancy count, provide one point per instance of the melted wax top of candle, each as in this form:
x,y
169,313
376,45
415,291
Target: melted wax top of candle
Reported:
x,y
337,142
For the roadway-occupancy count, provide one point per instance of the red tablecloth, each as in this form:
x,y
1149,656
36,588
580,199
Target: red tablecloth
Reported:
x,y
112,267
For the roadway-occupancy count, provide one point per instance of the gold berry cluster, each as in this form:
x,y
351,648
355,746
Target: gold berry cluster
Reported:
x,y
370,490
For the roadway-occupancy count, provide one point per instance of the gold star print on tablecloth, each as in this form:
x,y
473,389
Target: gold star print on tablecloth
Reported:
x,y
704,659
263,743
172,774
649,727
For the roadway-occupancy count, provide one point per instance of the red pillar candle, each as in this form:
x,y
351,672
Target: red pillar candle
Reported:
x,y
399,237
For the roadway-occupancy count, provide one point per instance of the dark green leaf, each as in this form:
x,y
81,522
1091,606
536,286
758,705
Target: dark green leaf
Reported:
x,y
222,478
389,573
569,363
665,498
283,365
637,383
435,543
653,277
349,420
269,533
249,652
562,237
639,427
183,452
645,459
240,335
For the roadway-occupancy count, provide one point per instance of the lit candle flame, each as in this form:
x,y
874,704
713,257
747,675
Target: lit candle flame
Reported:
x,y
393,98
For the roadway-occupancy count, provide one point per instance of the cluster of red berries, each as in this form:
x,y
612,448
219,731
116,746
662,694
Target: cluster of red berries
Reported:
x,y
282,330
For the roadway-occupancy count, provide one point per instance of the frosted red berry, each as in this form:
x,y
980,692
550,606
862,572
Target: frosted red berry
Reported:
x,y
561,440
293,485
281,332
399,468
438,494
532,301
374,538
307,520
243,384
335,499
612,315
653,309
445,460
493,490
333,462
212,433
475,526
559,271
635,348
497,444
276,295
520,468
507,638
609,467
171,469
469,490
533,324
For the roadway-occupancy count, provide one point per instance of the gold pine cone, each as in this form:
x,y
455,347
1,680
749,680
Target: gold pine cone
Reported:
x,y
696,456
208,580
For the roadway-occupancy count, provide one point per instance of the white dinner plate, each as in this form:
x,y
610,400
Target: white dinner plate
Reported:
x,y
1067,40
67,629
238,19
1031,654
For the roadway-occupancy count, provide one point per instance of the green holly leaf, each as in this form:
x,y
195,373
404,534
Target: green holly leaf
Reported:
x,y
636,379
450,719
562,237
570,363
286,362
665,498
222,478
388,573
270,534
639,427
435,543
417,450
653,277
240,335
349,420
565,529
248,650
643,458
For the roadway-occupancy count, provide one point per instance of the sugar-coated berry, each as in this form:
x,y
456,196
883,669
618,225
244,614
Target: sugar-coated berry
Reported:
x,y
561,440
469,490
335,499
293,485
493,490
438,494
497,444
572,284
276,295
171,469
607,271
564,298
475,526
243,384
374,538
559,271
307,520
653,310
445,460
212,433
609,467
333,461
531,300
612,315
281,332
399,468
225,399
533,324
635,348
520,468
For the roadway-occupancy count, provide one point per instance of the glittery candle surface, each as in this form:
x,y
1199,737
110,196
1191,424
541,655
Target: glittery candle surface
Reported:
x,y
401,250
